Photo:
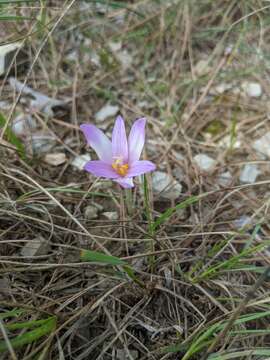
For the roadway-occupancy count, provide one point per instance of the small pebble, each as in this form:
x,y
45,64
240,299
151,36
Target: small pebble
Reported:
x,y
7,53
106,111
79,161
202,68
111,215
204,162
91,212
225,179
252,89
166,186
55,159
249,173
35,247
262,145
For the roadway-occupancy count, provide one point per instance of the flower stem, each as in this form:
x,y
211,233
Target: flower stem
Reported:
x,y
128,198
149,220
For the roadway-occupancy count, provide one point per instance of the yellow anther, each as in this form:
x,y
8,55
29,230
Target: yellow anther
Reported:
x,y
120,169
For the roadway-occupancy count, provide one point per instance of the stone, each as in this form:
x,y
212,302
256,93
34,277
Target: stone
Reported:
x,y
225,179
35,247
262,145
228,143
79,161
111,215
39,143
106,111
249,173
7,53
124,58
166,186
252,89
221,88
243,221
55,159
23,124
91,212
202,68
39,101
178,173
204,162
115,45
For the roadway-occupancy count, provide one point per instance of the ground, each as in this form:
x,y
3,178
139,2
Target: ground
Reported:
x,y
177,267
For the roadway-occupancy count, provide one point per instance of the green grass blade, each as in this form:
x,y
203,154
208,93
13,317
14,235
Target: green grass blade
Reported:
x,y
169,212
30,336
95,256
12,313
240,354
26,324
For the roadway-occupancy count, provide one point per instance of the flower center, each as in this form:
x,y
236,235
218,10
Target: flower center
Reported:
x,y
120,168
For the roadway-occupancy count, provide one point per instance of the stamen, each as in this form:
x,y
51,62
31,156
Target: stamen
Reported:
x,y
120,169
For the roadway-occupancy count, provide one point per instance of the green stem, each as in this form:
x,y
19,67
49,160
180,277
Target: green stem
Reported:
x,y
149,217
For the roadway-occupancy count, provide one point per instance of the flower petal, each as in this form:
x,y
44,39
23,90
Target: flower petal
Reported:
x,y
141,167
98,141
136,140
125,182
100,168
119,140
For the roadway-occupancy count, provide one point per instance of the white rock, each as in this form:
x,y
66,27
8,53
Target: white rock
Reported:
x,y
106,111
115,45
242,221
39,102
40,143
95,59
178,155
124,58
72,56
262,145
249,173
55,159
178,173
91,212
227,142
252,89
221,88
111,215
23,124
38,246
225,179
144,104
202,68
4,105
166,186
204,162
7,53
79,161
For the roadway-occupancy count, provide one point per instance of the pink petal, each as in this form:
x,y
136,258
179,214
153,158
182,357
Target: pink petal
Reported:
x,y
119,140
141,167
98,141
136,140
125,182
100,168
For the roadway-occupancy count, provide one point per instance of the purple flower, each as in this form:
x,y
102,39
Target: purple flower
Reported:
x,y
119,158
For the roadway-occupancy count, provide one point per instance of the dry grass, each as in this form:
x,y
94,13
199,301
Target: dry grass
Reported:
x,y
193,268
